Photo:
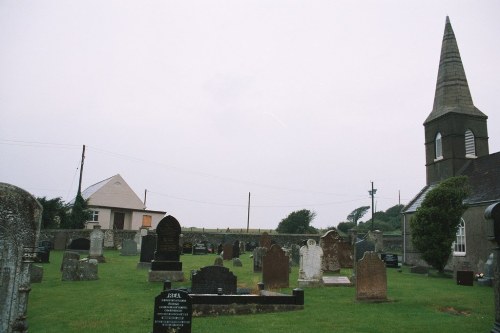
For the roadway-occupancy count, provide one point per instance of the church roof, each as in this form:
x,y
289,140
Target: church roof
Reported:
x,y
452,90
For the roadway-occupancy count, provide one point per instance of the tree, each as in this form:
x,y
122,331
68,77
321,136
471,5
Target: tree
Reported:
x,y
297,222
435,223
345,226
356,214
79,214
55,212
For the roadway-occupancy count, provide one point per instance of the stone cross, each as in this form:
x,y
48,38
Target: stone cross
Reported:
x,y
20,218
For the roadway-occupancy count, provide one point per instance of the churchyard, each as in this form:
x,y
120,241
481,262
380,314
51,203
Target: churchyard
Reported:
x,y
122,300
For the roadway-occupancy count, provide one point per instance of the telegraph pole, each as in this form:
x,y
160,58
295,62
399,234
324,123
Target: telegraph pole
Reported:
x,y
372,194
81,172
248,216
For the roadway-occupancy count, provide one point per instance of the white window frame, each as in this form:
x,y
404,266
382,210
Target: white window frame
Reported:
x,y
438,147
459,245
94,216
470,144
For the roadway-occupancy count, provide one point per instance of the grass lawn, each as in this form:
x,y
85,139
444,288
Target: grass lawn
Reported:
x,y
122,301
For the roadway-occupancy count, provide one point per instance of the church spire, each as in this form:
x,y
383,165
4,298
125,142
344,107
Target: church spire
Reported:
x,y
452,90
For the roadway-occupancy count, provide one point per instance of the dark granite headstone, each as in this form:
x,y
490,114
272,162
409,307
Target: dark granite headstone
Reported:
x,y
200,248
209,279
363,246
80,245
42,254
167,256
275,268
148,248
173,312
187,248
465,278
236,249
391,260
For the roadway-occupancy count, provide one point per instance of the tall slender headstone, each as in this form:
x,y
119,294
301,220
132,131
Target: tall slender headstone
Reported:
x,y
148,245
166,263
258,256
371,278
20,218
275,268
329,242
96,244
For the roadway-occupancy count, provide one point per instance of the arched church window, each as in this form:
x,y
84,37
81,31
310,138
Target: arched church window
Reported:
x,y
459,244
470,145
439,146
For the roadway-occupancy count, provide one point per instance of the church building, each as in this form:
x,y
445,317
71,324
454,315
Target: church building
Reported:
x,y
456,144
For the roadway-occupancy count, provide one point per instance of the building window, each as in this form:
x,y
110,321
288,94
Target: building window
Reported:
x,y
470,145
439,147
146,221
459,244
94,216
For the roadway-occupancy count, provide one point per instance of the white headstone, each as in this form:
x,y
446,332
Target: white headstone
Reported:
x,y
311,257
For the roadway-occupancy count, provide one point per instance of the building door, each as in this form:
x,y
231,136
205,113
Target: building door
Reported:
x,y
118,220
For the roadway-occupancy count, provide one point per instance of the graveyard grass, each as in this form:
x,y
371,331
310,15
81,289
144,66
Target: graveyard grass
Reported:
x,y
122,301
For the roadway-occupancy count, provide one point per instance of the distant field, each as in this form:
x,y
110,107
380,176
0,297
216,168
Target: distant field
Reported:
x,y
122,301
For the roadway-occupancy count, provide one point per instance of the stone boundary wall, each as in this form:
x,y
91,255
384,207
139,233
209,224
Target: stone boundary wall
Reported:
x,y
391,243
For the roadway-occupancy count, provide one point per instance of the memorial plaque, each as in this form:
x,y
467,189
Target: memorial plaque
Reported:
x,y
209,279
173,312
200,248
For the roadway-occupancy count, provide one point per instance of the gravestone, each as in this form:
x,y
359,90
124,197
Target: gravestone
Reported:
x,y
265,240
363,246
345,254
166,263
219,261
275,268
187,248
148,244
465,278
129,248
109,238
311,259
242,248
70,270
220,248
487,279
227,251
236,249
237,262
81,245
36,273
96,244
173,312
371,278
390,259
42,254
79,270
377,238
258,256
60,241
67,255
20,218
329,243
200,249
295,254
138,239
209,279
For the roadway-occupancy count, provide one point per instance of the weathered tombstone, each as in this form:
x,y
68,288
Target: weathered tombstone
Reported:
x,y
237,262
329,243
166,264
187,248
67,255
213,280
219,261
81,245
227,252
129,248
200,249
87,270
390,259
109,238
371,278
36,273
275,268
173,312
96,244
242,248
148,244
258,256
20,216
60,241
265,240
311,258
236,249
42,254
70,270
487,278
363,246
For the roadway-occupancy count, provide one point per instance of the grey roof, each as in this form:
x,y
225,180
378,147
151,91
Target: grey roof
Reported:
x,y
417,201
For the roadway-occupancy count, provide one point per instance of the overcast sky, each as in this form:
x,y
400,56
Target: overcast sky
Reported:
x,y
301,103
